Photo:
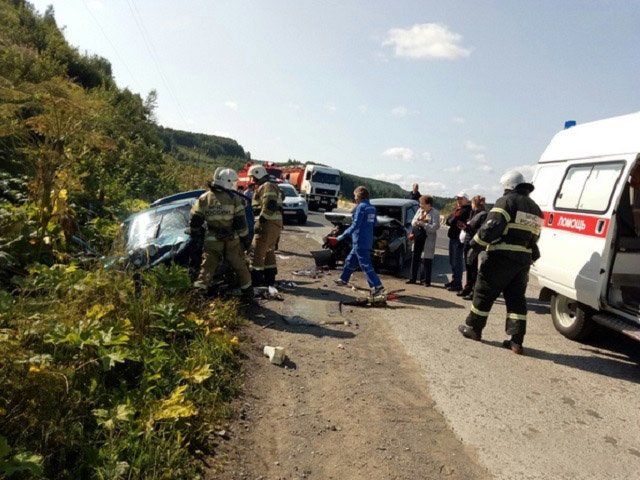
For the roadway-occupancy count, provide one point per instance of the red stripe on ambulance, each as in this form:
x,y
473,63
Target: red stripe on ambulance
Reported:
x,y
573,222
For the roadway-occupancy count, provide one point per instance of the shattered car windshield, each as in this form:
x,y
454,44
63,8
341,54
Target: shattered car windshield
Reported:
x,y
164,226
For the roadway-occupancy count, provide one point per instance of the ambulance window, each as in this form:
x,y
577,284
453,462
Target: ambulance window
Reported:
x,y
589,187
572,186
599,187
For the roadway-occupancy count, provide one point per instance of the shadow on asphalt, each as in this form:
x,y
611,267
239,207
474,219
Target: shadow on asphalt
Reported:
x,y
427,301
623,366
287,253
310,223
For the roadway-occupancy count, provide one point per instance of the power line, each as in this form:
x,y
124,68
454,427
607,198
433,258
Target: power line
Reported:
x,y
152,52
112,45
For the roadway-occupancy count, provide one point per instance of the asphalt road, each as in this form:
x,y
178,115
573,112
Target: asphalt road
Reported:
x,y
565,410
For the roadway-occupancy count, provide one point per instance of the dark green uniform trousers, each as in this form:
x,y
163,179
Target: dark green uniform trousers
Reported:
x,y
500,274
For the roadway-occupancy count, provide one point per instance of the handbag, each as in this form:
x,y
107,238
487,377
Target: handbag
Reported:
x,y
419,234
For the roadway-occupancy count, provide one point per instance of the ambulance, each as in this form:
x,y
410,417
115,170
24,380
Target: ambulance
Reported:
x,y
587,183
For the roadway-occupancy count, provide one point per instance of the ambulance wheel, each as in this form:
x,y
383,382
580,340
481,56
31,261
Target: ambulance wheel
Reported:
x,y
571,319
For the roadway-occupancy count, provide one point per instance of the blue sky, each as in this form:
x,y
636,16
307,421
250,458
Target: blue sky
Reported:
x,y
448,94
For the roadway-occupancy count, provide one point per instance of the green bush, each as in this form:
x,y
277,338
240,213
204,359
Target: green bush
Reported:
x,y
112,380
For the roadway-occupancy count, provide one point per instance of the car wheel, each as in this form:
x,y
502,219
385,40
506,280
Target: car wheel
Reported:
x,y
302,219
328,209
313,207
571,318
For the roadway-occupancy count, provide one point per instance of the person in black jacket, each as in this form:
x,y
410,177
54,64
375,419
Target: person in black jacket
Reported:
x,y
414,194
478,215
457,221
509,235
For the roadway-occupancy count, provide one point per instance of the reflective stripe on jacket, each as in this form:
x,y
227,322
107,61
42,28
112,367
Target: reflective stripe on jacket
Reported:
x,y
223,212
512,227
267,201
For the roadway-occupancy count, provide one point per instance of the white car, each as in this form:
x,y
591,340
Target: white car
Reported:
x,y
294,207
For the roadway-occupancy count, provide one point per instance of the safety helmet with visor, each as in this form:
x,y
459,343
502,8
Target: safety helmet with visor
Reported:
x,y
512,179
225,178
258,172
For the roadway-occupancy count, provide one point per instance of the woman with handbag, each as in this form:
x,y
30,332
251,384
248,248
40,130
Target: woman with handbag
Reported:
x,y
425,224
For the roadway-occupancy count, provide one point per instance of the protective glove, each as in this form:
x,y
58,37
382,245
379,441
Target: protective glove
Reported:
x,y
332,241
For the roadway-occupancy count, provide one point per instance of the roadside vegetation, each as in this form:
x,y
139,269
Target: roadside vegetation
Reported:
x,y
104,373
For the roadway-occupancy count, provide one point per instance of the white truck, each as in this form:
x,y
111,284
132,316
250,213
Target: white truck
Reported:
x,y
588,186
318,184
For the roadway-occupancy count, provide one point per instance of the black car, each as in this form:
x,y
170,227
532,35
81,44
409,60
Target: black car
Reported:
x,y
391,244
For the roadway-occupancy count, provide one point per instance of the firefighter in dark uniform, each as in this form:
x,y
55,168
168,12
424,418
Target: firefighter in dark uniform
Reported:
x,y
267,208
226,237
509,235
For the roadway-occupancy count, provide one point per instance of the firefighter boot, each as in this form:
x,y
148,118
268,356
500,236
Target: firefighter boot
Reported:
x,y
514,347
270,276
257,278
470,332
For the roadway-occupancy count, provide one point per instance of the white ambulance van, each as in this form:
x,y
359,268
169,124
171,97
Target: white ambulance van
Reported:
x,y
587,183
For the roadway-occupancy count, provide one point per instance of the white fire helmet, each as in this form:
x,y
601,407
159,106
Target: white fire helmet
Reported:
x,y
225,178
512,179
257,171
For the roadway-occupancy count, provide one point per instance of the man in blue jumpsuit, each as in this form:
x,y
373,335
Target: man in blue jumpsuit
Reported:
x,y
361,232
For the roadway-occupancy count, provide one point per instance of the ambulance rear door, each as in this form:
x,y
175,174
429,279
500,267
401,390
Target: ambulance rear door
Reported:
x,y
574,244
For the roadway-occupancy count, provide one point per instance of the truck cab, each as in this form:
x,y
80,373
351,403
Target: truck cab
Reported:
x,y
588,186
320,186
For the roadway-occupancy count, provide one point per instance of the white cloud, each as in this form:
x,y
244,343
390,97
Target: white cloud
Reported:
x,y
458,120
389,177
219,133
431,187
474,147
231,104
428,40
427,157
480,158
485,168
453,169
400,111
294,106
363,108
399,153
330,107
407,181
